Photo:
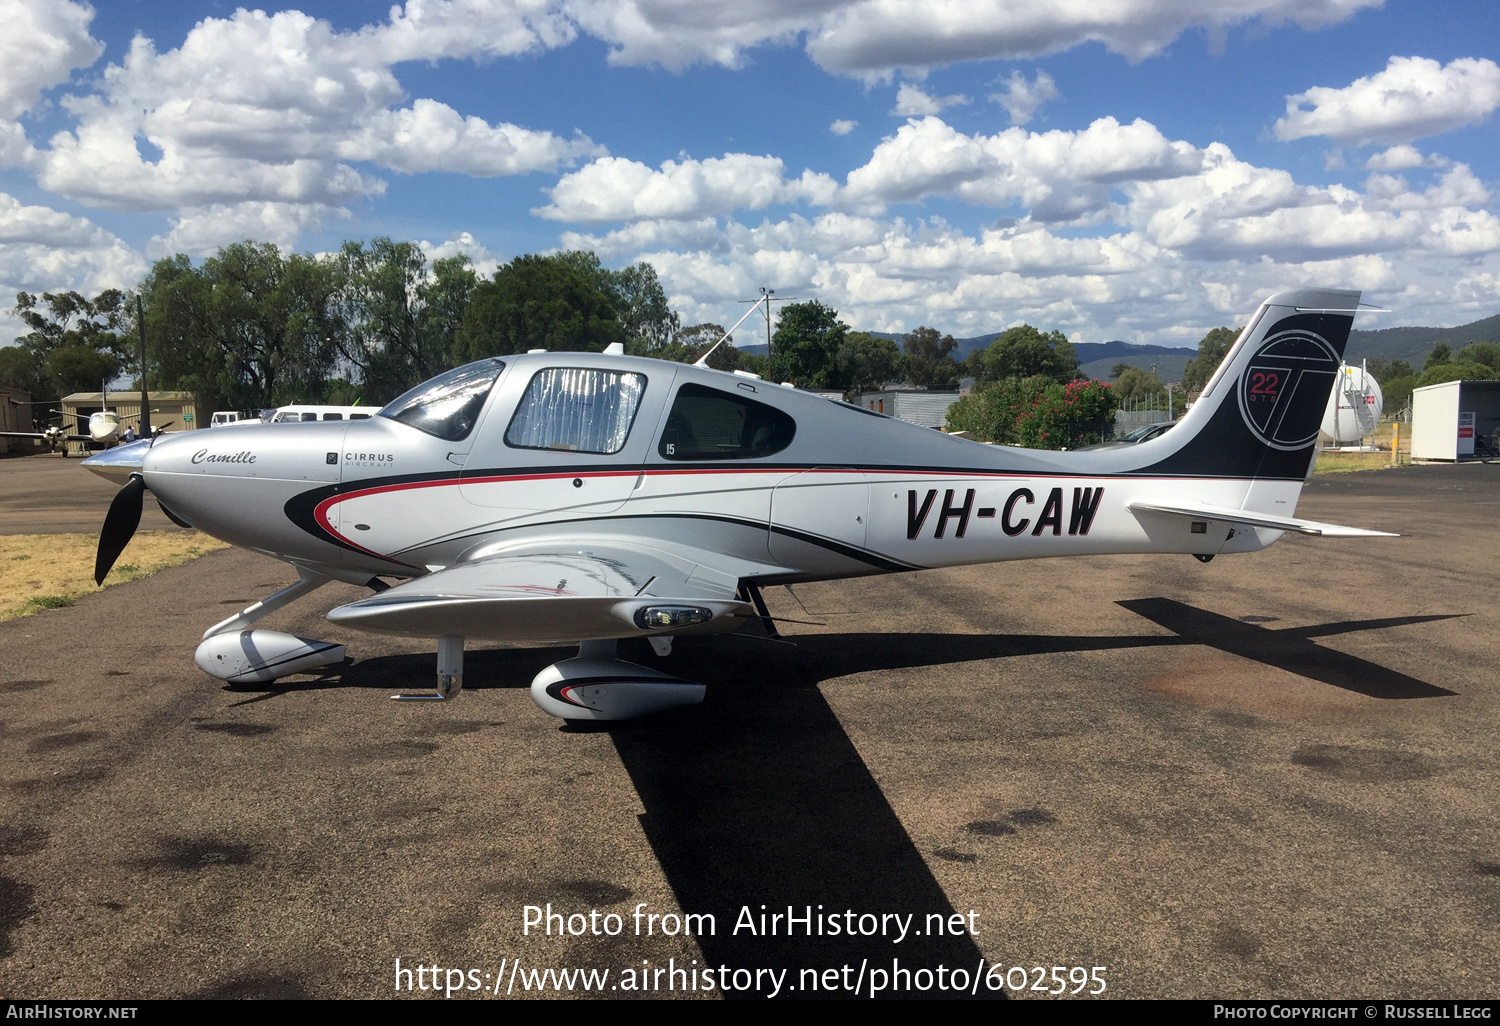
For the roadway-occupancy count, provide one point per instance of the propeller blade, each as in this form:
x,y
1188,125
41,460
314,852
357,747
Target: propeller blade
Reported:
x,y
119,526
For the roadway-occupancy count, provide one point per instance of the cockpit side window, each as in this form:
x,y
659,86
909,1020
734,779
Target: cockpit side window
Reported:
x,y
706,424
449,404
577,410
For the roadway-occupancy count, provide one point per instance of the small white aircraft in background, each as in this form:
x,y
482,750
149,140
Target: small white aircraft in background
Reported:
x,y
589,497
104,429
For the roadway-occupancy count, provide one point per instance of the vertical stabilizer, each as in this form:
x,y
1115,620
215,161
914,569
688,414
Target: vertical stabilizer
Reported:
x,y
1258,416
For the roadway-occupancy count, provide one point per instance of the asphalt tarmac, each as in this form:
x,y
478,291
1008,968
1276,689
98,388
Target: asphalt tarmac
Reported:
x,y
52,494
1274,775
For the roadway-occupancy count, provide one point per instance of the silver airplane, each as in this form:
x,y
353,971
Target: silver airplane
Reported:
x,y
591,497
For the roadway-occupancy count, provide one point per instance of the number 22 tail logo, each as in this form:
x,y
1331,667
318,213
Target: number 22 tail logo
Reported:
x,y
1285,388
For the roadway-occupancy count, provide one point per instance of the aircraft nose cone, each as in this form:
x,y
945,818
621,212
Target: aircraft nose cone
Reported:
x,y
118,463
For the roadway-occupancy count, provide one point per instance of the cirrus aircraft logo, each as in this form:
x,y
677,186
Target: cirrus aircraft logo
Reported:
x,y
1285,388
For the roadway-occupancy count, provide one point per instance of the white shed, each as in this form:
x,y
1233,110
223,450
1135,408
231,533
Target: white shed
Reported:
x,y
1455,420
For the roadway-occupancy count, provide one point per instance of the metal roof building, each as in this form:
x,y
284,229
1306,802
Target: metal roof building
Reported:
x,y
916,405
15,415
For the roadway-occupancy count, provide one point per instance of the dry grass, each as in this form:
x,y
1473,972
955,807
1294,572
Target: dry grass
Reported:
x,y
1383,433
46,571
1344,462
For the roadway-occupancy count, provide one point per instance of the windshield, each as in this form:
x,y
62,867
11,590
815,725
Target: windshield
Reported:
x,y
449,404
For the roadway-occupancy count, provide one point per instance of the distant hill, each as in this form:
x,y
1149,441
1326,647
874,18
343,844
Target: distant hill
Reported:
x,y
1088,352
1168,366
1099,358
1413,344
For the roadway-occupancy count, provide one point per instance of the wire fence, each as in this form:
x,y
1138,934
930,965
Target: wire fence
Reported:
x,y
1142,410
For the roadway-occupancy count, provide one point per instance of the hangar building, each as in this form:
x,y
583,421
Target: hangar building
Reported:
x,y
174,409
15,415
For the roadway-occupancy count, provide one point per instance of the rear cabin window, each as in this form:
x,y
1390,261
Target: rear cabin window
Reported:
x,y
575,410
706,424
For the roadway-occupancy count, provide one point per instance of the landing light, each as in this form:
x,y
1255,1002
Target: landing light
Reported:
x,y
656,617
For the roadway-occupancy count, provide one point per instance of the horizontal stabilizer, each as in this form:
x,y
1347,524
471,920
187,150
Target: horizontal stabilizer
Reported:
x,y
1202,511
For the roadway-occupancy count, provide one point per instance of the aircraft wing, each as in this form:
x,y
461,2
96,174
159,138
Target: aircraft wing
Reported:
x,y
562,594
35,434
1202,511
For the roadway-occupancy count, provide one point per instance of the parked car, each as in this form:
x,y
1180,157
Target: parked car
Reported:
x,y
1144,433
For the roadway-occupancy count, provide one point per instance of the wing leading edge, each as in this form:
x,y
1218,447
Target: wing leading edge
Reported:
x,y
563,595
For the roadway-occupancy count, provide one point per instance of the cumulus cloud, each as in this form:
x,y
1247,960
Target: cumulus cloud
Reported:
x,y
895,273
431,136
870,38
699,234
201,230
616,189
1412,98
485,263
913,102
257,114
426,30
42,249
1180,239
1233,210
1021,99
1060,176
842,127
1399,158
1455,190
43,41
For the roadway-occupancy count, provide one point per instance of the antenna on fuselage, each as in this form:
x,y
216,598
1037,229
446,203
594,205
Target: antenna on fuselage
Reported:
x,y
765,297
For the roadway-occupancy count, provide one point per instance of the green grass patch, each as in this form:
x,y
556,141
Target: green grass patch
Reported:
x,y
49,602
17,559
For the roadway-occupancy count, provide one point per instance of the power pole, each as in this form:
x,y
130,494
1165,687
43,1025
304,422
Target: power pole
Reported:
x,y
766,297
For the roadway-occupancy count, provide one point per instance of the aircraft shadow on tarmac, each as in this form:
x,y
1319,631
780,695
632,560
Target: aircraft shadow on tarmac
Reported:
x,y
808,660
758,797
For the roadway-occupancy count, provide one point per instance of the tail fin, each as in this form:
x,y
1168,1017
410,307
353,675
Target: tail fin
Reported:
x,y
1259,414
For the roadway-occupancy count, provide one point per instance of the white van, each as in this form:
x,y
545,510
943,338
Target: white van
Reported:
x,y
224,417
297,414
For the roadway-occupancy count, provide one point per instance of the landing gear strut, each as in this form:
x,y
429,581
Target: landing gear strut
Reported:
x,y
450,671
239,656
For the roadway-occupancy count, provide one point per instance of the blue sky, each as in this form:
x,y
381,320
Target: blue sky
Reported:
x,y
965,165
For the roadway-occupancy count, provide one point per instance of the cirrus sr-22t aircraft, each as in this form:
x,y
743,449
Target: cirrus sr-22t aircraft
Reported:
x,y
589,497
